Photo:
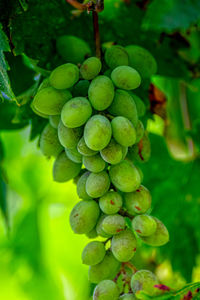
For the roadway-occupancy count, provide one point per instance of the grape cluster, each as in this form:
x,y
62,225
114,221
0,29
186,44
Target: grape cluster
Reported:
x,y
97,139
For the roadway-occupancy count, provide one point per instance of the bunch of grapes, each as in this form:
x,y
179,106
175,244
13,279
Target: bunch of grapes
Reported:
x,y
97,138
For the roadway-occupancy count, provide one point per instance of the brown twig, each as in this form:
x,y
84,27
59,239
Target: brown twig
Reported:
x,y
96,33
77,4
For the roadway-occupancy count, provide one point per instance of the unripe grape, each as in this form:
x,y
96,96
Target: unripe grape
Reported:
x,y
159,238
97,184
106,290
81,88
141,152
97,132
124,152
113,224
139,131
99,228
112,153
50,101
123,131
74,155
141,108
94,163
101,92
83,148
125,77
116,56
81,186
75,179
45,83
144,280
69,137
90,68
76,112
42,115
144,225
138,202
92,234
124,105
110,203
127,297
93,253
64,76
49,143
125,176
54,121
84,216
64,169
123,245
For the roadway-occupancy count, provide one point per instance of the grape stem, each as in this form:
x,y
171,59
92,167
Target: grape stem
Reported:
x,y
96,33
125,214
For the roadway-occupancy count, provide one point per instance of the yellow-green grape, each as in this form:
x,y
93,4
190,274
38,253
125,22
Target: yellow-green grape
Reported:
x,y
49,143
125,176
97,184
94,163
123,245
50,101
127,297
45,83
124,105
74,155
144,281
142,60
64,169
113,224
138,202
112,153
125,77
124,152
92,234
141,173
139,131
64,76
111,202
106,290
160,237
75,179
81,186
141,108
97,132
37,112
99,228
81,88
141,152
54,121
116,56
72,49
107,269
69,137
101,92
84,216
144,225
93,253
90,68
76,112
123,131
83,148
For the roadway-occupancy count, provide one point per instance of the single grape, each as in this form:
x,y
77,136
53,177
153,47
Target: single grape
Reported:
x,y
81,88
110,203
101,92
97,184
97,132
64,169
94,163
93,253
113,224
141,108
139,131
74,155
81,186
123,131
144,280
83,148
92,234
123,245
45,83
64,76
112,153
49,143
138,202
42,115
106,290
159,238
144,225
116,56
141,152
125,176
84,216
125,77
124,152
99,228
90,68
127,297
54,121
69,137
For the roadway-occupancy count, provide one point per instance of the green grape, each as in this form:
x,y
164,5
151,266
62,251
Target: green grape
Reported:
x,y
110,203
141,152
112,153
160,237
54,121
49,143
139,131
140,172
92,234
124,152
125,176
90,68
81,88
113,224
106,269
72,49
76,112
50,101
142,60
83,148
37,112
106,290
64,169
64,76
127,297
125,77
144,225
99,228
123,131
84,216
124,105
74,155
45,83
101,92
97,184
108,72
138,202
75,179
94,163
93,253
116,56
69,137
141,108
81,186
144,280
97,132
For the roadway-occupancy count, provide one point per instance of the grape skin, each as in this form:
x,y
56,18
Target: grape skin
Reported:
x,y
93,253
106,290
138,202
81,186
111,202
99,228
144,225
144,280
84,149
127,297
97,184
74,155
125,77
54,121
64,76
69,137
49,143
113,224
123,131
90,68
116,56
94,163
112,153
